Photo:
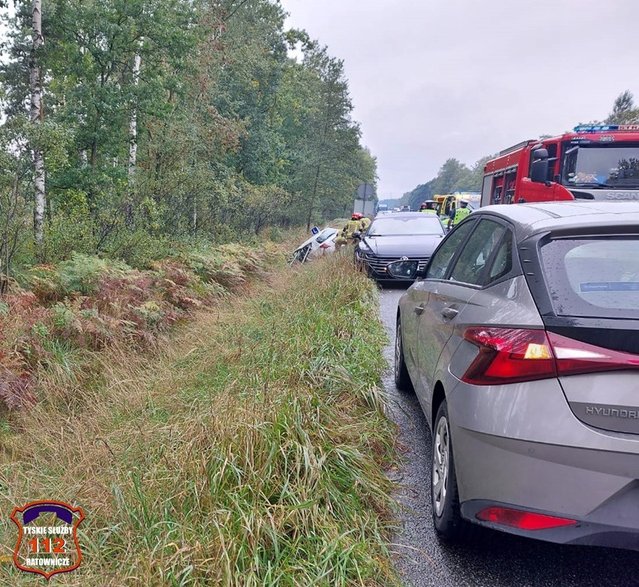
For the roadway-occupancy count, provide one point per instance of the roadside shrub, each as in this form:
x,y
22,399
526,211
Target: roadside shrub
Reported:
x,y
79,275
16,390
228,265
91,303
44,282
68,233
82,273
140,248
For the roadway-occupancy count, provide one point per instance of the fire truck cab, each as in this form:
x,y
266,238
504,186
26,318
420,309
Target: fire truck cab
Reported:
x,y
595,162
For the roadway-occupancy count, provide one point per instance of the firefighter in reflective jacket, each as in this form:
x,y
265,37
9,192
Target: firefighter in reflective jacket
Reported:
x,y
353,225
364,223
460,213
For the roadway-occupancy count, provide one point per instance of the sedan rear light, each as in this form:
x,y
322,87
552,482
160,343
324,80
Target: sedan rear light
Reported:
x,y
522,520
325,246
512,355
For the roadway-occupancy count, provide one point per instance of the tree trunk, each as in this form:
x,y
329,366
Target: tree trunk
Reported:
x,y
133,137
37,114
133,121
194,216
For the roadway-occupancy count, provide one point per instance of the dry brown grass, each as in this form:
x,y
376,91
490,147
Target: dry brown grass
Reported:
x,y
248,451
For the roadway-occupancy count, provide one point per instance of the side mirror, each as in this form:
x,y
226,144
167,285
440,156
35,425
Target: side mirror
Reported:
x,y
539,166
540,154
539,171
357,235
403,269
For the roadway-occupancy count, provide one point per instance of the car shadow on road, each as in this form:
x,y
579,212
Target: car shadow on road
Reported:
x,y
394,285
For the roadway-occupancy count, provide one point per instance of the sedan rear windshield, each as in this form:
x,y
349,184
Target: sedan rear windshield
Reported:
x,y
593,277
425,224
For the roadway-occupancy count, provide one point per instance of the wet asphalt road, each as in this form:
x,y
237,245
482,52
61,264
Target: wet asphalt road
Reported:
x,y
496,559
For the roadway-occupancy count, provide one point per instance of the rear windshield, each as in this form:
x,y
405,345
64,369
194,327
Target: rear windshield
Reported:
x,y
593,277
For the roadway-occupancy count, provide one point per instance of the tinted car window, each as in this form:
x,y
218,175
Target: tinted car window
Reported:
x,y
444,254
473,259
593,277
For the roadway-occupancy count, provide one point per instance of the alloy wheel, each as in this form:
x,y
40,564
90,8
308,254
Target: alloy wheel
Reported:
x,y
398,346
441,459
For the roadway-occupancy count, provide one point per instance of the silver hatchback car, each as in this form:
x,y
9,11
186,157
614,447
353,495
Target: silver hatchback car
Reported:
x,y
521,341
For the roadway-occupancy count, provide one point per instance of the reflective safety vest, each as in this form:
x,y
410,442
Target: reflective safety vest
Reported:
x,y
460,214
365,223
350,228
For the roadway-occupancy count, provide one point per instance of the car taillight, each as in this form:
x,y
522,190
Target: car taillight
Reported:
x,y
513,355
325,246
509,355
522,520
574,357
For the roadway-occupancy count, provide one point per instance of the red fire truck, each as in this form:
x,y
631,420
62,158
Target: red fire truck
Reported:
x,y
595,162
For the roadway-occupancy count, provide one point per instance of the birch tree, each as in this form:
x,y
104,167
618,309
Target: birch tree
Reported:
x,y
133,121
35,78
133,134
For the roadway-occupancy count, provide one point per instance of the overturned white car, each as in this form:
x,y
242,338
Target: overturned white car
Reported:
x,y
321,243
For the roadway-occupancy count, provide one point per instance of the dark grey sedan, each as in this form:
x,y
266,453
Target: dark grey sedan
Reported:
x,y
408,235
521,341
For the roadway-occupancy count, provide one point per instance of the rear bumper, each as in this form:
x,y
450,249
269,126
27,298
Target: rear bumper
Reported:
x,y
584,533
521,446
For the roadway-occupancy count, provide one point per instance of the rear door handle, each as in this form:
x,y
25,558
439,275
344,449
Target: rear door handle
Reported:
x,y
449,313
419,310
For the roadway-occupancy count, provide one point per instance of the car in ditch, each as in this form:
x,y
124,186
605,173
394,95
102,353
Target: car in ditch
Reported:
x,y
321,242
406,235
521,340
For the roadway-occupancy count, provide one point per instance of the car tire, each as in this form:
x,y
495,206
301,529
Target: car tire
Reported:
x,y
402,378
447,520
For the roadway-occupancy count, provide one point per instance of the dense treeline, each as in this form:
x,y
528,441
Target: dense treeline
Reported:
x,y
455,176
159,121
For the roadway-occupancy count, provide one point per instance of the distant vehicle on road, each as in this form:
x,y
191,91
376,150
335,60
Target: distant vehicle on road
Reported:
x,y
448,202
405,208
319,244
595,162
391,237
521,341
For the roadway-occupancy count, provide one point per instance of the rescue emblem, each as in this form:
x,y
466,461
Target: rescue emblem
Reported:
x,y
47,537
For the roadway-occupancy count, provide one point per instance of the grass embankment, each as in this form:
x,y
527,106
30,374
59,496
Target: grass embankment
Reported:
x,y
248,452
55,317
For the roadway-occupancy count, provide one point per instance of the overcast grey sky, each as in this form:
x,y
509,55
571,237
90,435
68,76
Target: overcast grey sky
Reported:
x,y
433,79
